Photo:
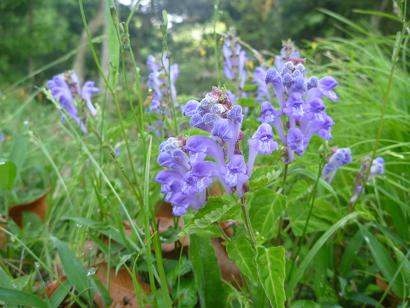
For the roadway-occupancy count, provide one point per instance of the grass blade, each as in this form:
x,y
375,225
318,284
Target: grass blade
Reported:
x,y
298,274
16,297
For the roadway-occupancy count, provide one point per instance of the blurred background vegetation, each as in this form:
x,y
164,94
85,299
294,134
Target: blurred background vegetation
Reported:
x,y
39,34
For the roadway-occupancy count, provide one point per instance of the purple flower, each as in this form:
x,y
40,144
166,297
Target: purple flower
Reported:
x,y
261,143
186,180
200,147
326,86
191,108
263,90
234,174
161,80
301,112
296,140
234,62
268,113
377,167
340,158
87,91
294,106
65,89
117,151
223,129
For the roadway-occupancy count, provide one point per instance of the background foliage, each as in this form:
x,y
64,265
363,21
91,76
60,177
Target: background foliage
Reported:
x,y
98,205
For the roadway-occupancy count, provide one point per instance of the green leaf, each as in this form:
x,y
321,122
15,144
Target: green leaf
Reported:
x,y
247,102
241,252
298,274
16,297
19,150
350,254
324,215
76,273
8,173
206,272
266,206
304,304
271,272
5,279
383,260
248,87
263,176
216,210
60,294
113,42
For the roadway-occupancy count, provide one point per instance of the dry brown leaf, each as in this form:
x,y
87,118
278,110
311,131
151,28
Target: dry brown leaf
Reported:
x,y
165,220
229,271
38,207
52,286
3,236
121,288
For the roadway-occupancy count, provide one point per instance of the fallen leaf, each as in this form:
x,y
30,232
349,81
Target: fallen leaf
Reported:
x,y
229,271
52,286
38,207
121,288
165,220
3,236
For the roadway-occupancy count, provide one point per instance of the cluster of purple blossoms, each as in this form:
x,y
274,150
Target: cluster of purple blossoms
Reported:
x,y
159,84
66,89
339,158
234,66
195,163
287,53
300,113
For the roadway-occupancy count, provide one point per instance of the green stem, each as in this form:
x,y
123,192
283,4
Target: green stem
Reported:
x,y
312,202
247,222
115,97
147,217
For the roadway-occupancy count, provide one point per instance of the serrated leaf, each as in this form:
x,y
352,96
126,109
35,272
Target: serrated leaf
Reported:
x,y
16,297
271,272
217,209
266,206
263,176
8,173
207,275
241,252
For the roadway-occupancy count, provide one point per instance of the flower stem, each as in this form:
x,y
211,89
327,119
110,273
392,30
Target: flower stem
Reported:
x,y
247,222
